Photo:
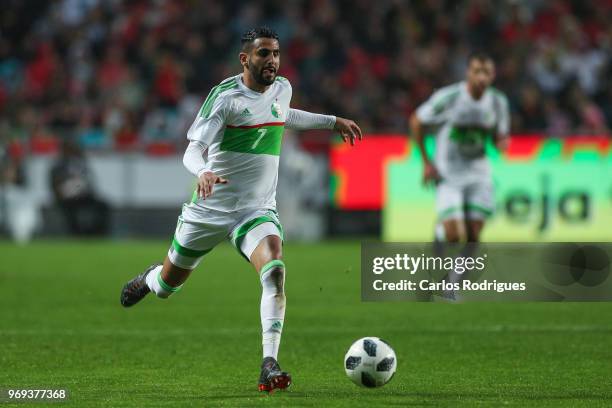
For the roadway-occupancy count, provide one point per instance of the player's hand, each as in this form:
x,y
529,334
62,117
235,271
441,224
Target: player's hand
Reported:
x,y
502,143
430,174
206,182
348,130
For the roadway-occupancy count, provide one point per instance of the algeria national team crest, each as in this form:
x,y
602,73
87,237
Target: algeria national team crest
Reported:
x,y
276,110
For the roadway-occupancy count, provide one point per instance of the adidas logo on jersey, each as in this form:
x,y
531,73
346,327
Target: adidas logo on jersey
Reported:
x,y
245,112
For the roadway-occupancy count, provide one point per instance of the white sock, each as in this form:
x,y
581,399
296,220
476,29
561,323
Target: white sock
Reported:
x,y
272,306
158,286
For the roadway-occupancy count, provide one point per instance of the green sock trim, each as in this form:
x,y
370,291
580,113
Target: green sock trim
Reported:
x,y
270,265
165,286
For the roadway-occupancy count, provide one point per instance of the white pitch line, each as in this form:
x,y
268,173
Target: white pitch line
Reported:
x,y
312,330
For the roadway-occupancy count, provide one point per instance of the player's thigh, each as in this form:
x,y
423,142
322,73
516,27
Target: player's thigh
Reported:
x,y
198,231
259,237
449,206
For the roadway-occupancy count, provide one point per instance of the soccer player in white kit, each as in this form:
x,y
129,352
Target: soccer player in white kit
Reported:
x,y
467,114
234,148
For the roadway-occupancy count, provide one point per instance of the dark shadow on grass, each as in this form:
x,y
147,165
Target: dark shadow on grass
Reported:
x,y
497,396
255,395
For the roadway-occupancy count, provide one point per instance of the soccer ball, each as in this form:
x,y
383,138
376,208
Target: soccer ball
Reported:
x,y
370,362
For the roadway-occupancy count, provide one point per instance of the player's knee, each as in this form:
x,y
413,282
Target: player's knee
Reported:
x,y
453,235
453,238
473,231
453,231
276,250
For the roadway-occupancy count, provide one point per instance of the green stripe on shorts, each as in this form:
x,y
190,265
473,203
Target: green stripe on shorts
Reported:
x,y
240,233
477,208
192,253
470,207
447,212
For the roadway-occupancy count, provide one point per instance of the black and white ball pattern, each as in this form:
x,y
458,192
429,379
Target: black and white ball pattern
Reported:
x,y
370,362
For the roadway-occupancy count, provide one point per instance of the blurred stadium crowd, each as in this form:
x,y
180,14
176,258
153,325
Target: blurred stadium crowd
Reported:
x,y
132,74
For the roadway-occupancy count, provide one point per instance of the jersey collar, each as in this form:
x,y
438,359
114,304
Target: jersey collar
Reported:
x,y
469,95
248,91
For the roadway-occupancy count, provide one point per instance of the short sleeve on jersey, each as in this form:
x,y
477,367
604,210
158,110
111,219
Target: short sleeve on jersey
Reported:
x,y
435,110
208,124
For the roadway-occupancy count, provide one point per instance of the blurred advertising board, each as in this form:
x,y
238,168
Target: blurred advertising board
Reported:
x,y
547,189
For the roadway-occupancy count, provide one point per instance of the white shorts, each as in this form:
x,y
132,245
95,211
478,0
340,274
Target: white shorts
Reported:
x,y
473,200
200,229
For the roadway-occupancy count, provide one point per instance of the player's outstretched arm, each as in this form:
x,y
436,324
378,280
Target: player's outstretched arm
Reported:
x,y
430,173
502,142
502,138
302,120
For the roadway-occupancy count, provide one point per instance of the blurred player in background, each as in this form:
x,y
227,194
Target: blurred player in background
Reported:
x,y
234,149
72,183
467,114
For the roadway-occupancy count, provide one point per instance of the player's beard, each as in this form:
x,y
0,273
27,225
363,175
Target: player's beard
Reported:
x,y
258,75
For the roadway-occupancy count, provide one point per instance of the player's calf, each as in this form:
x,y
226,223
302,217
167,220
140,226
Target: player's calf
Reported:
x,y
272,307
160,286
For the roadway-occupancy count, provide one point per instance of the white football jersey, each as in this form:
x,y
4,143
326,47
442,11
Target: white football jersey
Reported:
x,y
464,125
243,130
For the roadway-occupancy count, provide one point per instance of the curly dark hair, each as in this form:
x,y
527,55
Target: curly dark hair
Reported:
x,y
480,55
260,32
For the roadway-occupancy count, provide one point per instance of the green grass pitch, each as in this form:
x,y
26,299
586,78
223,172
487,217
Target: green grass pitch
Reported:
x,y
61,326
